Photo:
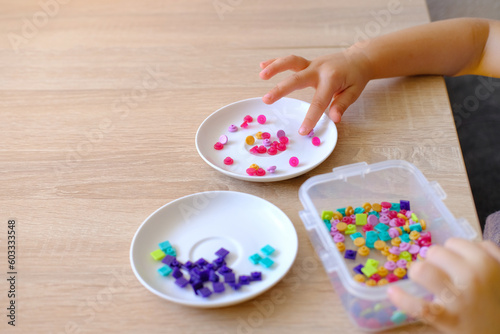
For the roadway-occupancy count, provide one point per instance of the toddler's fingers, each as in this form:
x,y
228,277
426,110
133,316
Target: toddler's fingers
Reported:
x,y
295,81
319,103
293,63
342,101
492,249
265,63
431,312
470,251
448,260
432,278
407,303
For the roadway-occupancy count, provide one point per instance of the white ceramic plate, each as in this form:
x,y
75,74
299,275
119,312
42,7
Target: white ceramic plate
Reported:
x,y
197,226
286,114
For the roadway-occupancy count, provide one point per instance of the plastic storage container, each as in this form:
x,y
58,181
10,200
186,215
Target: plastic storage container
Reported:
x,y
394,180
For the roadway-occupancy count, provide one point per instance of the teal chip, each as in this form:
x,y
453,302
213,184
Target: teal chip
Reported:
x,y
405,237
268,250
266,262
165,270
356,235
255,258
384,236
164,245
381,227
359,210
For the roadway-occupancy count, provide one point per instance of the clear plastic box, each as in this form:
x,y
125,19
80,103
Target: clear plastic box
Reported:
x,y
391,181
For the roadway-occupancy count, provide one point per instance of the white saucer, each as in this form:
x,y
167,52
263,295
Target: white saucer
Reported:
x,y
286,114
200,224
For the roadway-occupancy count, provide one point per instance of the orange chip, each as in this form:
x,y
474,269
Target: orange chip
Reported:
x,y
385,251
423,224
359,242
367,206
258,135
337,215
414,235
400,215
379,244
396,241
364,251
254,166
400,272
250,140
340,246
383,281
359,278
382,271
371,282
376,207
341,227
392,257
349,211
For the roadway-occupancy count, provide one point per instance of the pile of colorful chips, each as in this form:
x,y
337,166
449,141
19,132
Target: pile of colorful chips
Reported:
x,y
390,228
201,272
267,145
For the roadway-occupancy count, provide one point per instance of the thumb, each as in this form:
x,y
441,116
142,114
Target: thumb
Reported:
x,y
342,101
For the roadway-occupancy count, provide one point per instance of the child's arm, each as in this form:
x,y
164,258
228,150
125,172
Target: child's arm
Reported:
x,y
451,47
464,277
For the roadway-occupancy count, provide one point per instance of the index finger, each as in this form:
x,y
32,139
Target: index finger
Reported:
x,y
320,101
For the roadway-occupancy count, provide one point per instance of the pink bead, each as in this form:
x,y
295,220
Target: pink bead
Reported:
x,y
401,263
228,161
334,229
390,265
272,151
266,142
394,250
338,237
372,220
260,172
346,220
262,149
408,214
223,139
393,233
414,249
265,135
232,128
384,219
367,228
423,251
281,147
316,141
254,150
251,171
280,134
271,169
385,210
284,140
244,125
248,119
218,146
311,133
404,246
393,222
261,119
294,161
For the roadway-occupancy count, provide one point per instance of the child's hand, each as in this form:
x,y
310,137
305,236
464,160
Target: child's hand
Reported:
x,y
339,76
464,277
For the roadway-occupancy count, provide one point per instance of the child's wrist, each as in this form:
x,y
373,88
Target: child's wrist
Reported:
x,y
357,57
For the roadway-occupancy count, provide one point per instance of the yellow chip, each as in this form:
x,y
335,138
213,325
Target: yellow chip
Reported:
x,y
250,140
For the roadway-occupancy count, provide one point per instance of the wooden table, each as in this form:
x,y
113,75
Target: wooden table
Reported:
x,y
100,102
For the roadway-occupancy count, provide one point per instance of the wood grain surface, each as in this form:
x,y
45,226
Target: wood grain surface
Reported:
x,y
99,105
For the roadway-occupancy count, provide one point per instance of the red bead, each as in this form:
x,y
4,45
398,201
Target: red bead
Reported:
x,y
260,172
392,278
393,214
251,171
281,147
262,149
218,146
386,205
272,151
375,277
266,135
248,118
367,228
284,140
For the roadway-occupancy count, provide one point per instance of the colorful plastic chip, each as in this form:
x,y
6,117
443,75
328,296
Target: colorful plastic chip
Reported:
x,y
361,218
255,258
158,255
165,270
266,262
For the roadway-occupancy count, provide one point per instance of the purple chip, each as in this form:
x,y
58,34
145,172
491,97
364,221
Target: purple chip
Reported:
x,y
181,281
404,205
229,277
205,292
168,259
222,253
244,280
280,134
188,265
204,275
357,269
177,273
213,277
201,262
235,286
350,254
224,269
197,285
256,276
218,287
